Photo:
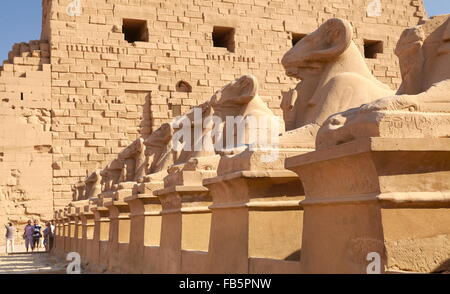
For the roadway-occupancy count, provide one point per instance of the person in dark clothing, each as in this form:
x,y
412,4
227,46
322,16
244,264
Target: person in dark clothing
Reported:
x,y
37,235
48,237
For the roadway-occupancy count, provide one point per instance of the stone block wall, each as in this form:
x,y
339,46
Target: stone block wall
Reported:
x,y
107,91
25,134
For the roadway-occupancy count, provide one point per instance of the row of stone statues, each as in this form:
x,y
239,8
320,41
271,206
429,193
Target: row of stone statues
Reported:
x,y
151,157
334,77
338,101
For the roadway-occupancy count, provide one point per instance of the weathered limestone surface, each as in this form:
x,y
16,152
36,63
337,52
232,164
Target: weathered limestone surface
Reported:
x,y
383,195
25,136
145,221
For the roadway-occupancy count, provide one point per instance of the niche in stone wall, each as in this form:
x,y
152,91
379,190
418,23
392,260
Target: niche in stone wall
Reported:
x,y
372,48
296,37
142,100
176,110
224,37
183,86
135,30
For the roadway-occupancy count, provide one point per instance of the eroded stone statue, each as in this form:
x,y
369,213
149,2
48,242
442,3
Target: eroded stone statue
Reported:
x,y
134,161
240,98
78,191
141,161
201,145
127,169
159,153
422,104
112,175
334,77
197,154
93,185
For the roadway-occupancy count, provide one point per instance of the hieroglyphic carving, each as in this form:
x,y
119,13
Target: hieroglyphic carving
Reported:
x,y
400,122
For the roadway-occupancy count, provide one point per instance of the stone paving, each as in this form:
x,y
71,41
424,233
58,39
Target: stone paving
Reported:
x,y
31,263
22,262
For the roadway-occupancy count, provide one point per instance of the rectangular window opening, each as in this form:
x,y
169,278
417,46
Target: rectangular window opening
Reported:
x,y
372,48
135,30
224,37
296,37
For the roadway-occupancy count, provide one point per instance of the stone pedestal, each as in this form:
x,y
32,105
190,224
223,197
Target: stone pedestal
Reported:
x,y
185,226
145,218
256,216
65,231
72,225
119,233
78,232
153,221
99,247
87,231
186,217
124,190
77,242
387,196
58,248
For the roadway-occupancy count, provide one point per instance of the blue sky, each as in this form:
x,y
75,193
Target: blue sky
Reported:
x,y
436,7
20,21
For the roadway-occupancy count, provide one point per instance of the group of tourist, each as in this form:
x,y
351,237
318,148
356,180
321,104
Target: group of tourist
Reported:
x,y
32,235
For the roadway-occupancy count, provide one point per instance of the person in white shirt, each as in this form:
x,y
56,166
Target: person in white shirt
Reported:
x,y
10,234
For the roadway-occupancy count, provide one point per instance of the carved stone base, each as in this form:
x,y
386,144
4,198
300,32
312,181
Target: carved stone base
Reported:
x,y
385,124
186,217
145,217
84,217
256,160
98,251
72,221
185,225
60,232
148,187
76,228
383,195
119,234
256,216
87,231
